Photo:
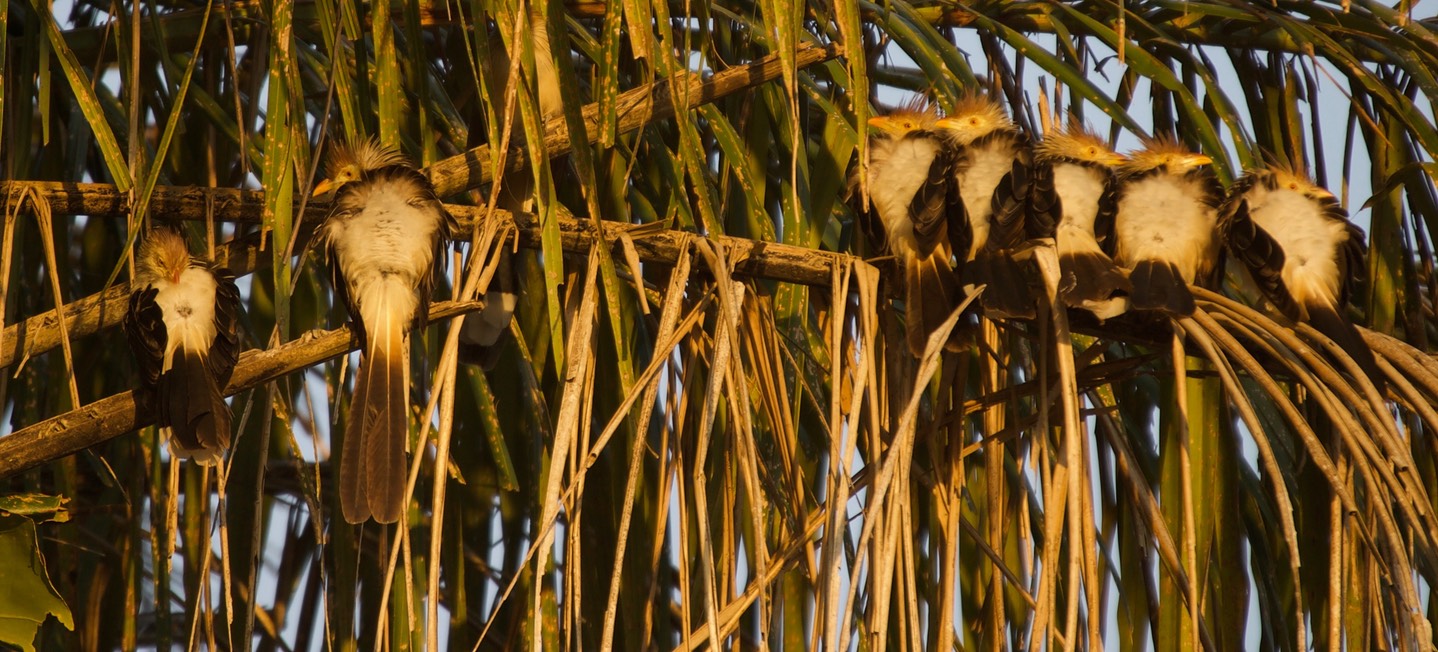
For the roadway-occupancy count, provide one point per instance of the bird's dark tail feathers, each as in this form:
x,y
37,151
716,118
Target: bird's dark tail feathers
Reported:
x,y
1158,285
373,469
1326,319
195,409
931,293
1090,276
1008,295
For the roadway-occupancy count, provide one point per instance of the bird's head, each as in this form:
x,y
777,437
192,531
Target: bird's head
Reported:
x,y
1166,155
973,118
1078,145
916,116
163,256
1284,178
352,161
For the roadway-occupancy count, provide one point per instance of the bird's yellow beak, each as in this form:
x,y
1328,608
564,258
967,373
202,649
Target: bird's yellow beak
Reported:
x,y
884,124
324,187
1200,159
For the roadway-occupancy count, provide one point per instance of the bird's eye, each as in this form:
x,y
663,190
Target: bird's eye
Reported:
x,y
1293,186
974,122
1093,151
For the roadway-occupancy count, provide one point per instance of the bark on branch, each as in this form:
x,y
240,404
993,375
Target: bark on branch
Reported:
x,y
116,415
753,259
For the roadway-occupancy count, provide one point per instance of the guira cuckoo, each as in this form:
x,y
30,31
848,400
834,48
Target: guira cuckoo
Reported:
x,y
183,329
1300,249
1074,198
482,333
384,238
991,171
1167,225
911,192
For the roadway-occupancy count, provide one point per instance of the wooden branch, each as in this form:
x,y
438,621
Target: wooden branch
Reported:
x,y
116,415
754,259
86,316
97,312
110,417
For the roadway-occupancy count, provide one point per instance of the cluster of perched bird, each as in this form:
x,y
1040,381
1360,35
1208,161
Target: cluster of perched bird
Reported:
x,y
955,198
384,237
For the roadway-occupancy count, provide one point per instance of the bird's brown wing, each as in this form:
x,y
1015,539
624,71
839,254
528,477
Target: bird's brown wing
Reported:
x,y
1009,205
145,329
1107,212
1045,208
1258,251
867,223
225,349
1352,263
929,209
337,275
447,228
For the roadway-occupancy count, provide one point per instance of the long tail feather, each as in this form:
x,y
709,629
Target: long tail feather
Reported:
x,y
195,409
1326,319
931,294
1008,295
1089,276
1158,285
374,471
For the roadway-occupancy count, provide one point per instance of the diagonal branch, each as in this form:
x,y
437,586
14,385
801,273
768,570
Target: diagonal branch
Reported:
x,y
636,108
470,169
116,415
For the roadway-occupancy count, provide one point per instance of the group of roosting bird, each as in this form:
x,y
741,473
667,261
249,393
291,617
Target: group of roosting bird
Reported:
x,y
957,199
385,238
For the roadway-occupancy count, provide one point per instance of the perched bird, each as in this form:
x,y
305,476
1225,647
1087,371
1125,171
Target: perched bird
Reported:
x,y
1166,225
992,173
182,327
1074,198
481,334
384,236
911,192
1302,252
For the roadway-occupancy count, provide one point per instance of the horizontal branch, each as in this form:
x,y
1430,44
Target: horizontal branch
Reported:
x,y
116,415
753,259
106,309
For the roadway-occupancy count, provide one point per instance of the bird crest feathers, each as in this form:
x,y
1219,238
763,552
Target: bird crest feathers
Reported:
x,y
917,114
975,116
363,156
1078,144
163,254
1164,153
